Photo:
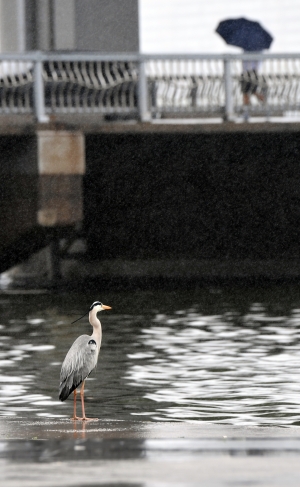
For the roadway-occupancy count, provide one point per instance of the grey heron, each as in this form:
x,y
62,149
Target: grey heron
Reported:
x,y
81,359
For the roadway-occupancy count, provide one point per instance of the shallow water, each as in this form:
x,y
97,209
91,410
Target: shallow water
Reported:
x,y
222,355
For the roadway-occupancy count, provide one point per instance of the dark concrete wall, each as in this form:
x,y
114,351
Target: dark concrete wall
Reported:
x,y
18,188
205,196
193,195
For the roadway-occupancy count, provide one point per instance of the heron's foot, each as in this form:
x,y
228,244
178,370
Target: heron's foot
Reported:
x,y
89,419
75,418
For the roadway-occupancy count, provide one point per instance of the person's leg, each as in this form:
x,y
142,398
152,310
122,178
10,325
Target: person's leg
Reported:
x,y
246,99
260,97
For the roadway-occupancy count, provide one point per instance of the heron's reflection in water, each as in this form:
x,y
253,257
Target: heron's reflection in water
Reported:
x,y
79,430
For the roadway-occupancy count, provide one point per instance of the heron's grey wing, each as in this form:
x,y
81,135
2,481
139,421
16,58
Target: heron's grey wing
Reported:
x,y
80,360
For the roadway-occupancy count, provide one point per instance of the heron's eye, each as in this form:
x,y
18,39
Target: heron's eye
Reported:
x,y
92,342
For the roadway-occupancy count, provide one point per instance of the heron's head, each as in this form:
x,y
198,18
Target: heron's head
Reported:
x,y
97,306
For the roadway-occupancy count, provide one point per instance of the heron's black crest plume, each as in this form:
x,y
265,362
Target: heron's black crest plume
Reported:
x,y
96,303
80,318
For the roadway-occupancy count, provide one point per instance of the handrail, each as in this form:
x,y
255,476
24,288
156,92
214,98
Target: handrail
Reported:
x,y
135,56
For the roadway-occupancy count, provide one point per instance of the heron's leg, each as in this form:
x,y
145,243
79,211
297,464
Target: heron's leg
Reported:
x,y
82,402
74,414
84,418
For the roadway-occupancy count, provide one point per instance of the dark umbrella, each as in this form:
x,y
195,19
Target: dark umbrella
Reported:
x,y
244,33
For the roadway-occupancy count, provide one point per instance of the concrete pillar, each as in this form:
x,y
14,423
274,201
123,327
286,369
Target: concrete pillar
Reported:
x,y
61,165
63,24
94,25
43,21
12,26
107,25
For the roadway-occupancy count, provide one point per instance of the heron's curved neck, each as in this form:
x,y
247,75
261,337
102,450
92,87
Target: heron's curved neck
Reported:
x,y
97,330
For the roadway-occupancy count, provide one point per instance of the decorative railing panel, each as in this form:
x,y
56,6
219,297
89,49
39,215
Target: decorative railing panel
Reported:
x,y
188,86
87,86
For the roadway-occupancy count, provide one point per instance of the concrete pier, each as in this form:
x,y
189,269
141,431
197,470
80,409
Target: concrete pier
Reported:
x,y
61,165
42,191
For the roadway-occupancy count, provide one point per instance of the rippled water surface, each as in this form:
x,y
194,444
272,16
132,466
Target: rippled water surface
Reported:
x,y
224,355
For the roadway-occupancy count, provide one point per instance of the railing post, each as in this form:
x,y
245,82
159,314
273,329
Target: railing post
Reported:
x,y
228,116
143,103
39,95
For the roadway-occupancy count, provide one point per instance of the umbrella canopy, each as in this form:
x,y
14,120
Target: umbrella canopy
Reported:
x,y
244,33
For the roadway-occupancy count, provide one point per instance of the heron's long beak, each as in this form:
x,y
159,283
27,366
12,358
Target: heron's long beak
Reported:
x,y
105,307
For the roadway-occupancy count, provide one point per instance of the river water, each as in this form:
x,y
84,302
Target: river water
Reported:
x,y
226,355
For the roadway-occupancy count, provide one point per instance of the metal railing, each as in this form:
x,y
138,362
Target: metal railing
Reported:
x,y
148,87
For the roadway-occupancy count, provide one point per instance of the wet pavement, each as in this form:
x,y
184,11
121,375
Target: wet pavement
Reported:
x,y
62,429
221,471
119,453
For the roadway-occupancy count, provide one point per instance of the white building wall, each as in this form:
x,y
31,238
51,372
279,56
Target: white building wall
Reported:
x,y
188,25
